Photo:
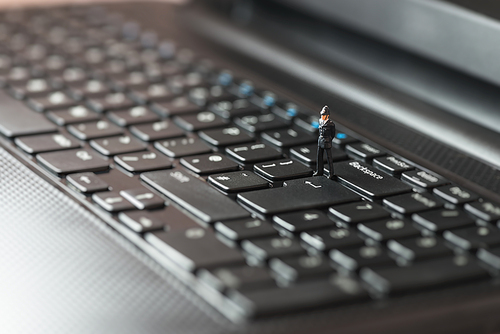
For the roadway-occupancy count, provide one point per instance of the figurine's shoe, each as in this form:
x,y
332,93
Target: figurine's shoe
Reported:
x,y
317,174
331,177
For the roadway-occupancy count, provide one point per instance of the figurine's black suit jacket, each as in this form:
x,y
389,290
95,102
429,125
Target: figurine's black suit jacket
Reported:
x,y
326,133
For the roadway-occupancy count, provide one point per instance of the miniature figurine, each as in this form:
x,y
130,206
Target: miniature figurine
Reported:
x,y
326,134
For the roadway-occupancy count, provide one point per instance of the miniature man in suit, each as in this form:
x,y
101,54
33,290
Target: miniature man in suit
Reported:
x,y
326,134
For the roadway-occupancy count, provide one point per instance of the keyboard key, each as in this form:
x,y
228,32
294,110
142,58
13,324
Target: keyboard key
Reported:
x,y
455,194
153,93
423,179
267,248
302,221
205,95
17,120
143,198
301,194
112,101
156,131
200,121
474,237
392,165
363,151
490,256
358,212
389,228
356,258
93,130
181,147
141,221
307,122
46,143
77,114
225,136
112,201
368,181
487,211
208,163
442,219
178,106
419,248
249,153
411,203
55,100
308,154
237,278
143,161
195,248
279,170
302,267
135,115
90,89
248,228
435,272
117,145
32,88
73,161
233,182
87,182
287,137
230,109
260,122
303,296
330,238
341,139
194,195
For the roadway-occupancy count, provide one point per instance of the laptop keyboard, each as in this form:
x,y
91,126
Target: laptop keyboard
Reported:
x,y
215,172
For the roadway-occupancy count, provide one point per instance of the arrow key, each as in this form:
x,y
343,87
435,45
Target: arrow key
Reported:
x,y
143,198
112,201
87,182
358,211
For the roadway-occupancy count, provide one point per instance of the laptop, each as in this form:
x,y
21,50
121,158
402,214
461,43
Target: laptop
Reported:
x,y
157,167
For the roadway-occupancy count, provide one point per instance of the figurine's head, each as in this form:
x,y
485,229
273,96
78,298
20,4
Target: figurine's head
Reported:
x,y
325,113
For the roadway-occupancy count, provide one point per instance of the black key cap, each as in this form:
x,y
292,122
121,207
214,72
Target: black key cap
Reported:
x,y
93,130
308,154
205,95
423,179
287,137
178,106
117,145
474,237
181,147
112,101
443,219
267,248
302,194
135,115
356,258
341,139
230,109
419,248
302,221
194,195
208,163
392,165
87,182
112,201
279,170
153,93
363,151
250,153
17,120
237,278
487,211
143,161
46,143
304,296
443,271
490,256
330,238
302,267
411,203
55,100
200,121
286,110
91,88
33,88
73,115
225,136
368,181
142,198
308,123
73,161
455,194
141,221
195,248
240,181
382,230
260,122
156,131
358,212
248,228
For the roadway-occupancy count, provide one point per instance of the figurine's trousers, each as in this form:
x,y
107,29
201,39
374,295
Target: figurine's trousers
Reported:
x,y
320,162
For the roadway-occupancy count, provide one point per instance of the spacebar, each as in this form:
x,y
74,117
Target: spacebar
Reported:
x,y
194,195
